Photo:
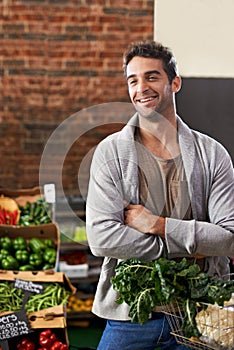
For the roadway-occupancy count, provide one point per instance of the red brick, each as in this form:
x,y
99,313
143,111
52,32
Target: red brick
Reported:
x,y
59,59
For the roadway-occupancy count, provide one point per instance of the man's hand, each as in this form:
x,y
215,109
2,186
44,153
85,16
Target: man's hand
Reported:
x,y
143,220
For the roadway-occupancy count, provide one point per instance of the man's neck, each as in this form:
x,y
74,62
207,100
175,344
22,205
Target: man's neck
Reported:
x,y
160,136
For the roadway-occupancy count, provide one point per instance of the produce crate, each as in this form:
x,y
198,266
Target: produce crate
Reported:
x,y
38,231
215,323
41,277
34,336
32,195
38,276
53,318
23,196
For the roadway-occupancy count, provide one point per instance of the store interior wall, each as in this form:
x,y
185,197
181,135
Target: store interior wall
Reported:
x,y
199,33
59,58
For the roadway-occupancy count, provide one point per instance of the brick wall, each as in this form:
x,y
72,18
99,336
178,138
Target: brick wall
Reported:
x,y
59,57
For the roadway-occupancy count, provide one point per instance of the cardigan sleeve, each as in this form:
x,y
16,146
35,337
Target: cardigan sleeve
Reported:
x,y
214,236
107,234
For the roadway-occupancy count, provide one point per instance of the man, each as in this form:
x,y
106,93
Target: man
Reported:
x,y
157,188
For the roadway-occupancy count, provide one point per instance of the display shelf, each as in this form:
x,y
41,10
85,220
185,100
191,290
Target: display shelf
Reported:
x,y
73,246
81,315
86,286
86,280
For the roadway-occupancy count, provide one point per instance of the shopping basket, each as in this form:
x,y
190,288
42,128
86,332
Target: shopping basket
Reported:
x,y
215,323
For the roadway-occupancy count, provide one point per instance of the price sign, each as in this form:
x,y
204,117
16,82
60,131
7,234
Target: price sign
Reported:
x,y
14,325
29,286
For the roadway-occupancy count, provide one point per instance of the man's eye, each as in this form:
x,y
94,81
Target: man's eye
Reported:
x,y
152,78
132,82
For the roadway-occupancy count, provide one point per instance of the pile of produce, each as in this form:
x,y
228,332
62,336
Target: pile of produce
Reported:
x,y
46,340
146,284
9,211
216,324
79,305
35,213
11,298
32,255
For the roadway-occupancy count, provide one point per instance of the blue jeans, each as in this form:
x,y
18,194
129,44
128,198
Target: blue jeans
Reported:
x,y
125,335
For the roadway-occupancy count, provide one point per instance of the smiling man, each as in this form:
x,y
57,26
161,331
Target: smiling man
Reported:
x,y
157,189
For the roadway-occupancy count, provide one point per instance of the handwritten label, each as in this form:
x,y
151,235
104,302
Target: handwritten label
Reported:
x,y
14,325
29,286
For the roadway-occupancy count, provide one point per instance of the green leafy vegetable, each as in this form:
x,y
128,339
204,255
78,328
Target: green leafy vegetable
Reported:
x,y
146,284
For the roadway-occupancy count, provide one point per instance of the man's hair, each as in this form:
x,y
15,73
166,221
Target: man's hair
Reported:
x,y
152,49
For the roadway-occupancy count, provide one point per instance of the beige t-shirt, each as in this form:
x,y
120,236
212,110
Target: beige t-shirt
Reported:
x,y
163,187
163,184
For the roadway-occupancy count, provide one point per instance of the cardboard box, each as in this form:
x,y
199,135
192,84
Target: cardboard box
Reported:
x,y
55,317
49,276
39,231
31,195
34,335
38,276
23,196
50,318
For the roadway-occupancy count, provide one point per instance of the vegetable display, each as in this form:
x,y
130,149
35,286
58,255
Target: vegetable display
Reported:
x,y
32,255
35,213
79,305
47,340
26,344
9,211
146,284
11,298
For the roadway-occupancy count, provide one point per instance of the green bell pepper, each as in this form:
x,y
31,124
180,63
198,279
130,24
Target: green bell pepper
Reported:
x,y
36,245
19,243
49,243
3,254
10,263
6,243
50,255
22,256
35,260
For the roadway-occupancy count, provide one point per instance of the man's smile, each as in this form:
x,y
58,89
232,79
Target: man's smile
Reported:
x,y
146,99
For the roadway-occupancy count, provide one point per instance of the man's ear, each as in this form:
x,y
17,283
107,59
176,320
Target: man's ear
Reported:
x,y
176,84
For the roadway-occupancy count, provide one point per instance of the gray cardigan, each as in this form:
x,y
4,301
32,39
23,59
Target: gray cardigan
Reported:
x,y
114,178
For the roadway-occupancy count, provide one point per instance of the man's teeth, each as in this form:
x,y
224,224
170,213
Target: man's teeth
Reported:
x,y
146,99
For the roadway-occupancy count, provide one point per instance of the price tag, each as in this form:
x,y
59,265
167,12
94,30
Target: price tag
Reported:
x,y
49,192
29,286
14,325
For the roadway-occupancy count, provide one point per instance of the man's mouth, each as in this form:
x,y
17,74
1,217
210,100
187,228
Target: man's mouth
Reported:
x,y
146,99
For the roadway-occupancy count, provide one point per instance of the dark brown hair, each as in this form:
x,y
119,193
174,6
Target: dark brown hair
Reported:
x,y
152,49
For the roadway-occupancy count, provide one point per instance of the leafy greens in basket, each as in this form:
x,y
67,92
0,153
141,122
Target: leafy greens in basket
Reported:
x,y
146,284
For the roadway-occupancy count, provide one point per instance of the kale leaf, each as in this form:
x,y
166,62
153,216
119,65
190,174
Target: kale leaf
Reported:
x,y
146,284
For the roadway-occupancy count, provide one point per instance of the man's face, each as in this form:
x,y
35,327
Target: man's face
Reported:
x,y
149,87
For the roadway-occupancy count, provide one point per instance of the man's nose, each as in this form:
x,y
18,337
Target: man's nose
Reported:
x,y
142,86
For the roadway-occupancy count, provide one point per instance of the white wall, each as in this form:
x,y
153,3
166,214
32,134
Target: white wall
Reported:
x,y
200,33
